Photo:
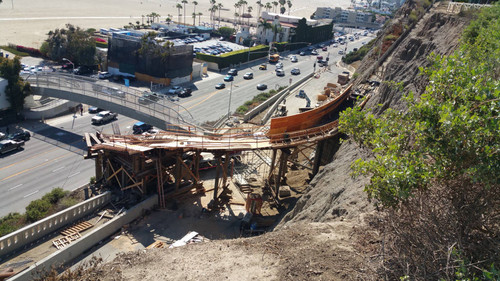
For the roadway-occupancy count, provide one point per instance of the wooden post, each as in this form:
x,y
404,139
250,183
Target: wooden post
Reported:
x,y
98,166
217,173
178,172
197,164
317,157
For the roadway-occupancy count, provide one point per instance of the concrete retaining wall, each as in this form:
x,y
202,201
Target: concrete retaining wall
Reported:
x,y
81,245
33,232
49,111
261,107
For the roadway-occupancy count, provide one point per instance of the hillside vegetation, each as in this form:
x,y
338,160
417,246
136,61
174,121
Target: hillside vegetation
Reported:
x,y
436,166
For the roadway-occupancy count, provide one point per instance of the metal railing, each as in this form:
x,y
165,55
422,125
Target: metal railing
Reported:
x,y
124,96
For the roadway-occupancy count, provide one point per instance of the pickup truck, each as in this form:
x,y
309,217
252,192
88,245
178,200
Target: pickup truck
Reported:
x,y
103,117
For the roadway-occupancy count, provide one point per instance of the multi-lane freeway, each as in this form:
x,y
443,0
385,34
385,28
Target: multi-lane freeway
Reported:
x,y
54,155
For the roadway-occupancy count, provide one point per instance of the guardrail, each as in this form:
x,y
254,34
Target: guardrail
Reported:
x,y
162,109
35,231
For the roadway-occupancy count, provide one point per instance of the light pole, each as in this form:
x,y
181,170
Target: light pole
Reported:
x,y
72,65
229,106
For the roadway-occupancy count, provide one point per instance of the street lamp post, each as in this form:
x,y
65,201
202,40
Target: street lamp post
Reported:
x,y
229,106
72,65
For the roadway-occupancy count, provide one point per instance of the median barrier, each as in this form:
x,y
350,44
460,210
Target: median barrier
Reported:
x,y
261,107
30,234
78,247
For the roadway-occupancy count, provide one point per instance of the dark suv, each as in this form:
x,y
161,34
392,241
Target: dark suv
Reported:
x,y
82,70
20,136
141,127
232,72
186,92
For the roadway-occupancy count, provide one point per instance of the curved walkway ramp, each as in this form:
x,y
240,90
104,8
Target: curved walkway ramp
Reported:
x,y
85,90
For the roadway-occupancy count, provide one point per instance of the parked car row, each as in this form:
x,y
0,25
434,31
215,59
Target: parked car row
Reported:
x,y
215,49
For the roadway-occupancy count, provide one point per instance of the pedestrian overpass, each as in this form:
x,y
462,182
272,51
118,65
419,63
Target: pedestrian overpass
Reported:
x,y
160,114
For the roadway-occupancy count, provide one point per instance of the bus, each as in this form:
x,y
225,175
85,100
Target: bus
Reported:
x,y
274,58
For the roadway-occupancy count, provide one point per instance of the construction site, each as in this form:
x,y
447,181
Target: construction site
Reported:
x,y
244,177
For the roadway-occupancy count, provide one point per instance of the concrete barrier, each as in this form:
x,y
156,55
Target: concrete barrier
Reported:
x,y
27,235
77,247
261,107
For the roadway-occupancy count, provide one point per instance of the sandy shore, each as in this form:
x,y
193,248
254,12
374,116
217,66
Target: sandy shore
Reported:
x,y
26,22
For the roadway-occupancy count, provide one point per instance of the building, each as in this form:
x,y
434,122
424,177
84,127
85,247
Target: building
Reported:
x,y
346,17
151,60
4,103
282,28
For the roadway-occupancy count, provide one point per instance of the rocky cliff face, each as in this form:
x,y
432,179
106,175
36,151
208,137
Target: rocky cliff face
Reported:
x,y
333,193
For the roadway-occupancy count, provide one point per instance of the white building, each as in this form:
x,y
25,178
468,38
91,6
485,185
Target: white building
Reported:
x,y
284,25
242,34
347,17
4,103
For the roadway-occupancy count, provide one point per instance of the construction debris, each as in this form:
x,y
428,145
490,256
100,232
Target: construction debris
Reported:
x,y
191,237
63,242
76,229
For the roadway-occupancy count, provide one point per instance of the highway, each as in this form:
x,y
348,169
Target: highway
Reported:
x,y
54,155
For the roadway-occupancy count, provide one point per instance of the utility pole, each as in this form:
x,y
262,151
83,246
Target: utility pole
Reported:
x,y
229,105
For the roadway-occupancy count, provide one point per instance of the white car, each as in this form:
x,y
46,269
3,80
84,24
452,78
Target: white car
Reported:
x,y
294,59
335,45
341,52
104,75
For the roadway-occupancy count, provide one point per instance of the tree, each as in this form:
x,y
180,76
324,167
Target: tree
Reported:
x,y
226,32
199,17
195,3
73,43
179,8
219,7
249,10
282,6
259,7
16,90
184,2
194,18
289,3
268,7
275,4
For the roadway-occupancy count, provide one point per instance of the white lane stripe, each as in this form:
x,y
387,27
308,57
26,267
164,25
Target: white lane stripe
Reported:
x,y
73,174
53,171
30,194
12,188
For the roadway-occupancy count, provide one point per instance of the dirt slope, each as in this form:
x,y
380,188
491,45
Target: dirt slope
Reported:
x,y
330,235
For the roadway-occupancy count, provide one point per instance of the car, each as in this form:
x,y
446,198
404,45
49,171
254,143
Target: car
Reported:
x,y
175,90
262,67
324,49
141,127
355,49
10,145
279,65
341,52
228,78
295,71
319,58
20,136
232,72
220,86
103,117
280,72
302,53
248,75
294,59
261,87
310,48
314,53
113,92
104,75
323,63
186,92
95,109
2,136
363,43
335,45
322,45
82,70
149,97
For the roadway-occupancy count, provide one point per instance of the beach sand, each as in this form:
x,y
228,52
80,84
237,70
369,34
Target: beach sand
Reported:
x,y
26,22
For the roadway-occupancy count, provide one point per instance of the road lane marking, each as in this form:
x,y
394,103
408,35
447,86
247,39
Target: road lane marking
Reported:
x,y
28,195
12,188
73,174
29,169
53,171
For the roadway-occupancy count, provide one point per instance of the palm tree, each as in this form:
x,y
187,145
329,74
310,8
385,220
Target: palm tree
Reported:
x,y
184,2
249,10
282,6
268,6
199,17
193,15
259,6
275,4
219,7
195,3
212,10
142,19
179,8
289,3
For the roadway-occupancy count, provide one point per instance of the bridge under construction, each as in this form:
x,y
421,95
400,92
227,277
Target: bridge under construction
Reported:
x,y
168,163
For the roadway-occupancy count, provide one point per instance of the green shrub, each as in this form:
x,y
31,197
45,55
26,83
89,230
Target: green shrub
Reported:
x,y
67,202
10,223
54,196
359,54
92,180
37,210
242,109
235,57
